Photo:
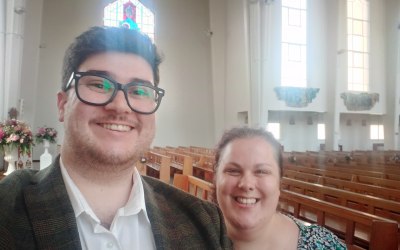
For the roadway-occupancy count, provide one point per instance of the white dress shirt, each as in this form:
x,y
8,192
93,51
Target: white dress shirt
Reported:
x,y
130,229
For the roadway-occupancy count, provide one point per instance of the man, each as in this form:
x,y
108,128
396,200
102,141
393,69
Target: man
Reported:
x,y
92,196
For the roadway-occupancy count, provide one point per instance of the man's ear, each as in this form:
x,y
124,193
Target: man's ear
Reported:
x,y
62,98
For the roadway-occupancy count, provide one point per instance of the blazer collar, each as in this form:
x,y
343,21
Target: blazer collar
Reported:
x,y
50,210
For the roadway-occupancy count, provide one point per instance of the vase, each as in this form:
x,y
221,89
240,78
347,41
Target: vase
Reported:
x,y
45,158
10,156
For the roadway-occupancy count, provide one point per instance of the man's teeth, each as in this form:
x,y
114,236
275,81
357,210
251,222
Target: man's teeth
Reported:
x,y
247,201
117,127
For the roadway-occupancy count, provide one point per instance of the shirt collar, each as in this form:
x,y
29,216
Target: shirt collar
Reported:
x,y
136,202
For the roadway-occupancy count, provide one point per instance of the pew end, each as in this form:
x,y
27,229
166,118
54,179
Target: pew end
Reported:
x,y
193,185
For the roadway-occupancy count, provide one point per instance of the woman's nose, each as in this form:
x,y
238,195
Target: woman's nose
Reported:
x,y
247,182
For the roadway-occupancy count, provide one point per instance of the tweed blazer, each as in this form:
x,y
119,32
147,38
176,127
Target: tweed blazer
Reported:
x,y
36,213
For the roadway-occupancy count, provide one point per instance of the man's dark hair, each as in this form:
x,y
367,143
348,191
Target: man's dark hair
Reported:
x,y
103,39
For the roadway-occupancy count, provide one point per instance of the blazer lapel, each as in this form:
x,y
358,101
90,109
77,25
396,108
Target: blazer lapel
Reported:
x,y
156,218
50,210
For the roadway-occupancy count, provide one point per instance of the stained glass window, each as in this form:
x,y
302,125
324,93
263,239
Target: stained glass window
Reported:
x,y
131,14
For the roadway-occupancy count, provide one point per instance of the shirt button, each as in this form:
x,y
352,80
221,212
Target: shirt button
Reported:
x,y
110,245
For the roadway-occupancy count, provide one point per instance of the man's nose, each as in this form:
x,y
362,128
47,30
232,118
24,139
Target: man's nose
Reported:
x,y
119,103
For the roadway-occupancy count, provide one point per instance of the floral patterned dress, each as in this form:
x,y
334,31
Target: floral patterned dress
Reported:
x,y
314,237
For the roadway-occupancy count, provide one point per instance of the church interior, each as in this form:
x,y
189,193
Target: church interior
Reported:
x,y
322,77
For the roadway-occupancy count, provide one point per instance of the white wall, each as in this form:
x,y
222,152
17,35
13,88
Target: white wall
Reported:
x,y
299,135
355,135
392,122
237,63
186,113
218,23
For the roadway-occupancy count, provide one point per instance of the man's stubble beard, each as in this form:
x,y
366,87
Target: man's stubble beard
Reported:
x,y
89,154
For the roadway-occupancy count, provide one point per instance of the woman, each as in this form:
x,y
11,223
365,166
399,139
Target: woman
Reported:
x,y
247,181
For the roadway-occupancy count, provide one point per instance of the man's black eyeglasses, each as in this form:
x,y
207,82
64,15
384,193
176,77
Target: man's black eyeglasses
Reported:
x,y
99,90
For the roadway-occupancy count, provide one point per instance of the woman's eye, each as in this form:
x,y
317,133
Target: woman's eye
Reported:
x,y
263,172
232,171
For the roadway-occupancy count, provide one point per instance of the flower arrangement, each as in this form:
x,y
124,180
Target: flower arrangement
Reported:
x,y
46,133
16,134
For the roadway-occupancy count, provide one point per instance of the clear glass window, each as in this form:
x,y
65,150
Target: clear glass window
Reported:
x,y
274,129
294,43
358,45
321,131
376,132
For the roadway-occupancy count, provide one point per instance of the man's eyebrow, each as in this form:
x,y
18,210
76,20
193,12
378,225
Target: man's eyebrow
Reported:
x,y
102,72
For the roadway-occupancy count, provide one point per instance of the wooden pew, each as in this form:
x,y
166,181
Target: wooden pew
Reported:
x,y
158,163
357,170
205,168
193,185
181,162
377,191
365,203
377,181
366,159
345,176
202,150
378,233
202,164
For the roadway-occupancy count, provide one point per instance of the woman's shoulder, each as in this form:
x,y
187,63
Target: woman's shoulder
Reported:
x,y
313,236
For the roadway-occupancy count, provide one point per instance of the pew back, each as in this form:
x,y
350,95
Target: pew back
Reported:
x,y
357,228
193,185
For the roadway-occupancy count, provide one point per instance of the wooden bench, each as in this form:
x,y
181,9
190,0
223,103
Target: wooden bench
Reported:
x,y
158,163
377,191
365,203
358,229
193,185
202,150
359,170
345,176
181,162
205,168
366,161
377,181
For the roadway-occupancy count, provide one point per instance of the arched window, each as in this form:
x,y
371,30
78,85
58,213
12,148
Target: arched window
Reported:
x,y
131,14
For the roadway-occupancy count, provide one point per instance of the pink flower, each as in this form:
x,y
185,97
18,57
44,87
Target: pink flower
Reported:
x,y
12,138
45,133
42,131
2,134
